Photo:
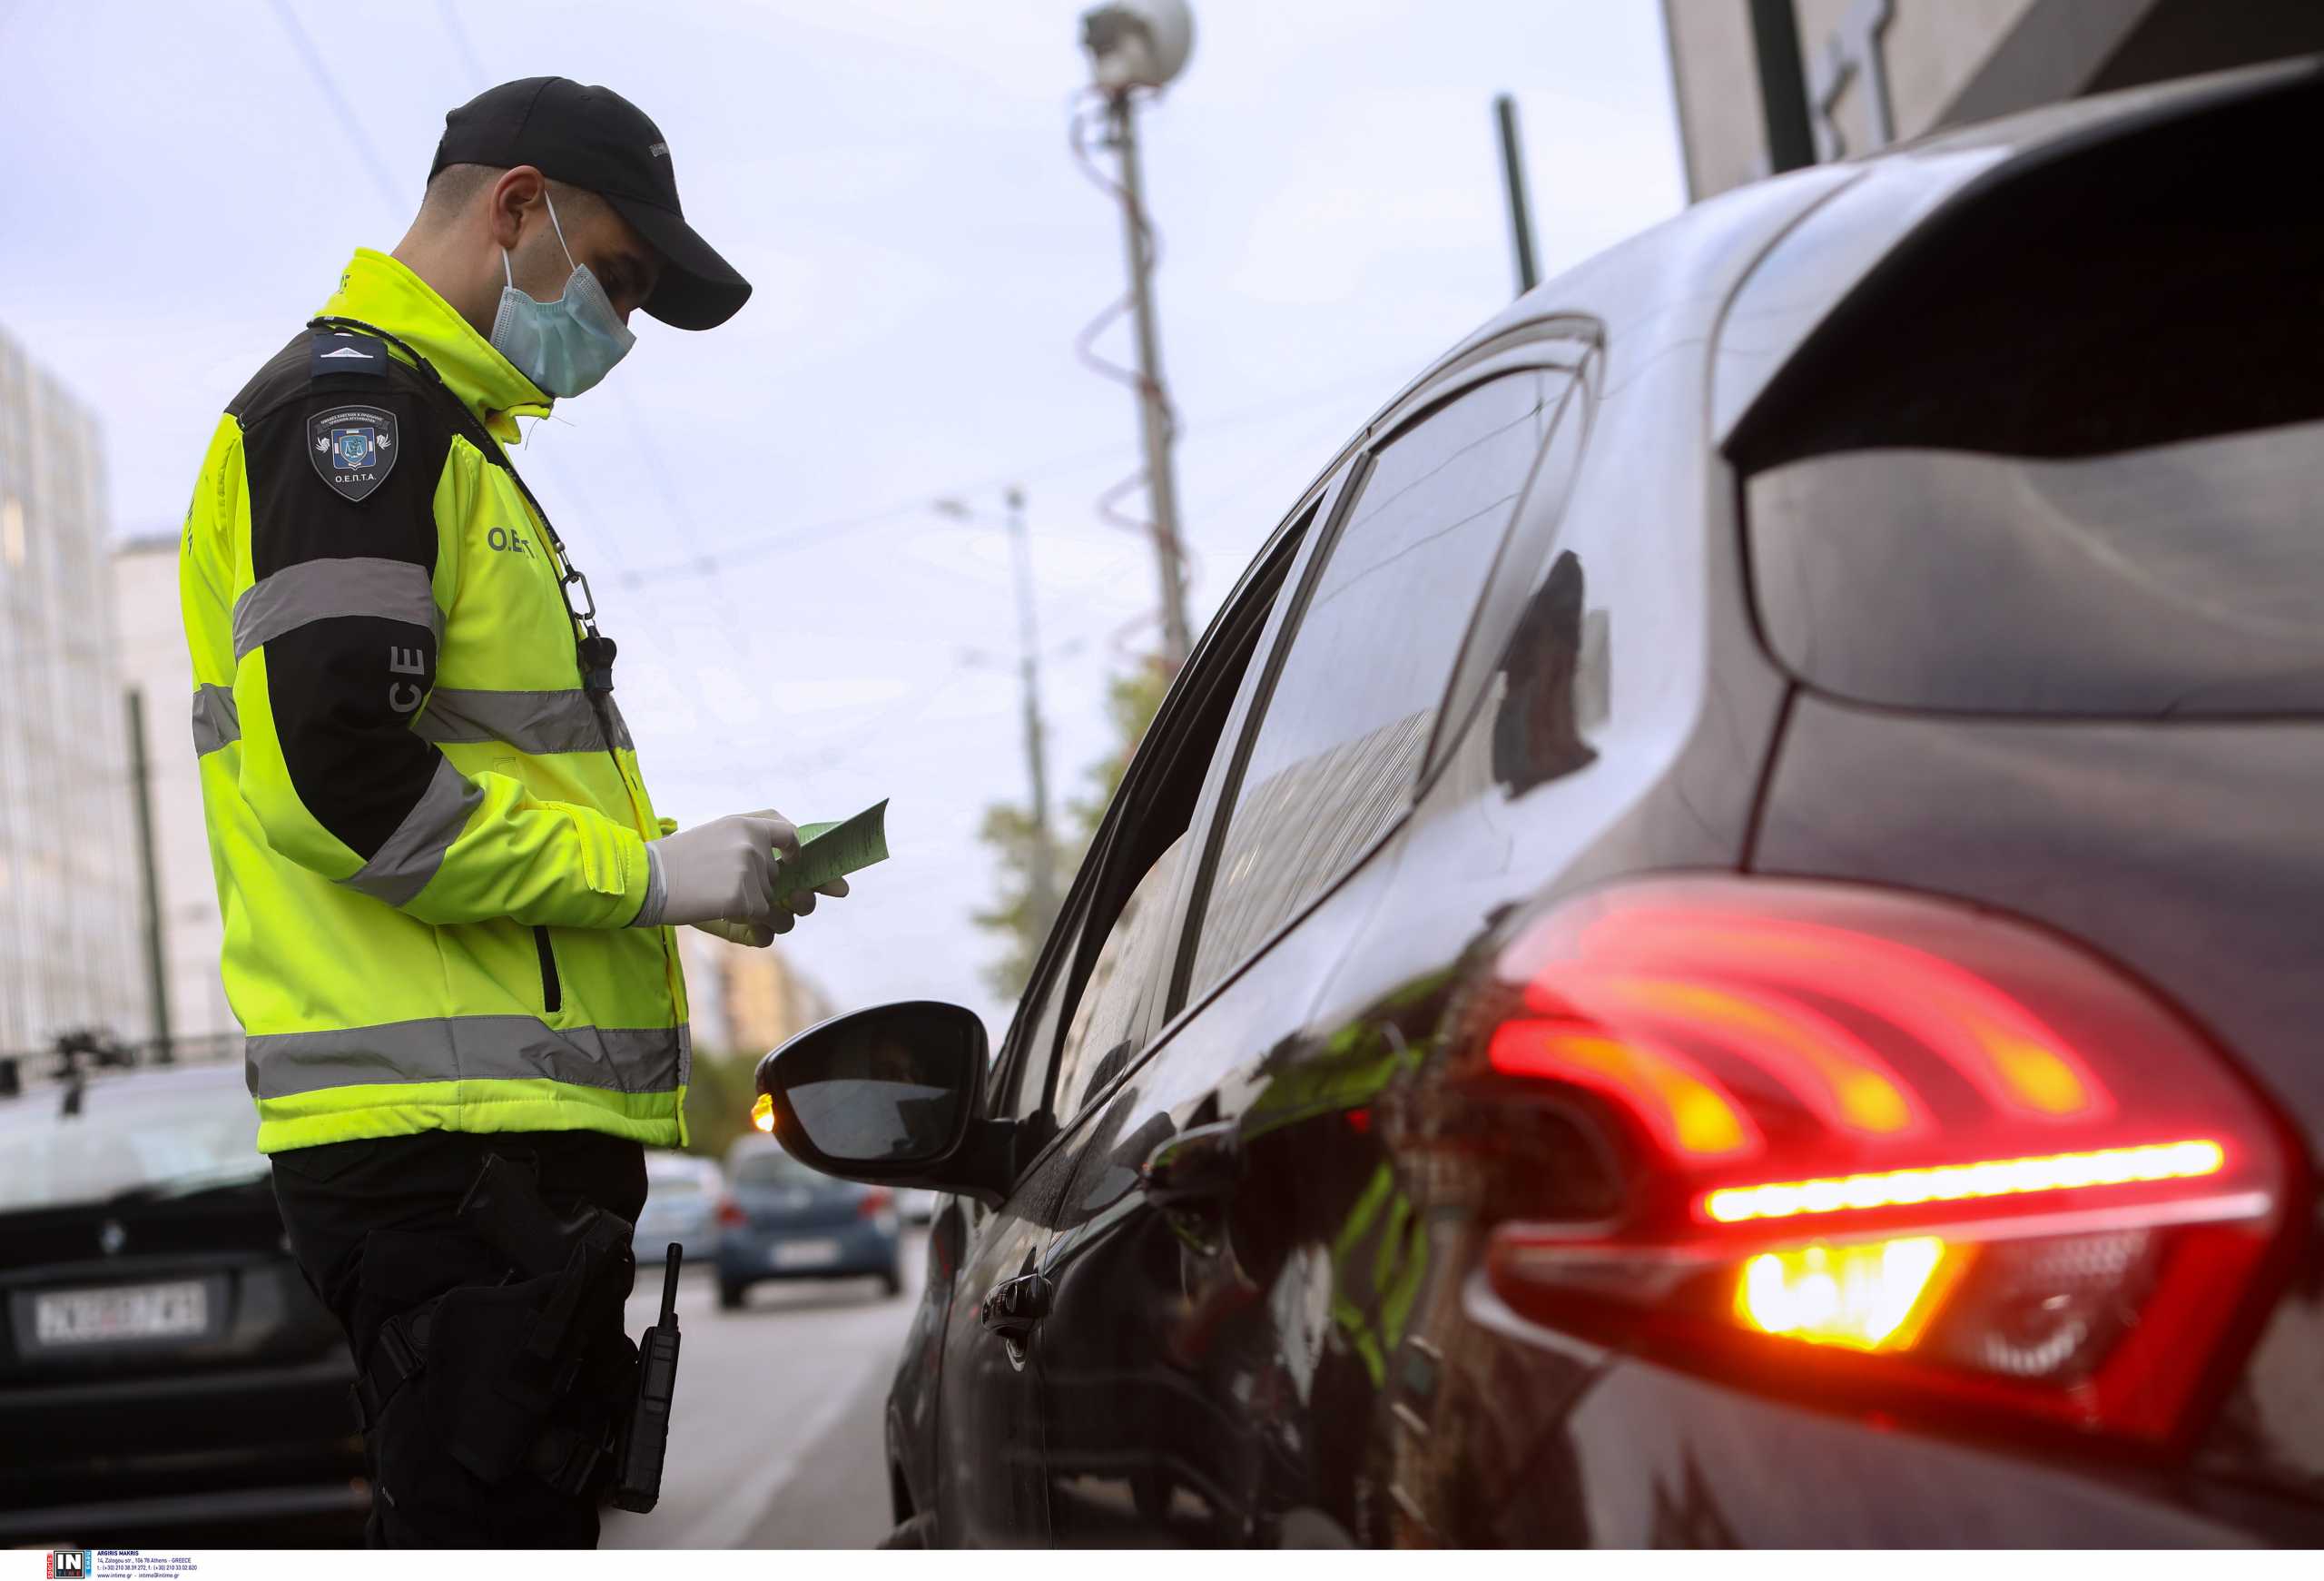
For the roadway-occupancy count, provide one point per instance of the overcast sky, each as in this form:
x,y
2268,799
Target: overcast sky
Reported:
x,y
181,184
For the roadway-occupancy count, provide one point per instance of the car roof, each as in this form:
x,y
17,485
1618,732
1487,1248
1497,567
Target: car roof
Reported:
x,y
1672,272
142,1084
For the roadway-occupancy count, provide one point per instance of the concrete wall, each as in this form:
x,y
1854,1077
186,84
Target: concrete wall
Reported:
x,y
153,659
68,900
1940,61
743,1001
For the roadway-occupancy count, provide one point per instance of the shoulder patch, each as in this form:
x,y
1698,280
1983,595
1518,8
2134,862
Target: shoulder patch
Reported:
x,y
353,449
328,354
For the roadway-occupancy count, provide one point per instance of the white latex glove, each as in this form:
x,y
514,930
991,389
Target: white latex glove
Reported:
x,y
758,937
724,869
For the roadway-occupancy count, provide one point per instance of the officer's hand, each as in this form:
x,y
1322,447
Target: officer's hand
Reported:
x,y
723,870
800,902
750,935
759,936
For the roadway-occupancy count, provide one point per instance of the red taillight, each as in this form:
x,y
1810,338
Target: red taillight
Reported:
x,y
876,1199
1935,1156
731,1211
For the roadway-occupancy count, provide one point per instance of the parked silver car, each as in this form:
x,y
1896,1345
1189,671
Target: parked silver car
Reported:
x,y
681,1205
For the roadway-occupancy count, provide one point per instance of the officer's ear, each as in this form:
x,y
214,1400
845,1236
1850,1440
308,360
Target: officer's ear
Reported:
x,y
515,193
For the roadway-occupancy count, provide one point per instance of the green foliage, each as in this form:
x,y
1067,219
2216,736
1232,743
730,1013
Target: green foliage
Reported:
x,y
718,1102
1131,702
1015,917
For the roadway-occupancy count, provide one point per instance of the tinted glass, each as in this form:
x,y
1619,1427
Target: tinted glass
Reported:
x,y
1119,1004
771,1166
2182,579
1036,1049
1343,730
164,1133
1129,978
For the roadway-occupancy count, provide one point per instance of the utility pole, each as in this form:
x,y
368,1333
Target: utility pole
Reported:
x,y
1136,44
1041,878
157,984
1040,869
1783,85
1512,178
1154,406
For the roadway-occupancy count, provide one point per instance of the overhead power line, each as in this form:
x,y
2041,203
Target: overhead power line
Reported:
x,y
758,545
349,122
448,13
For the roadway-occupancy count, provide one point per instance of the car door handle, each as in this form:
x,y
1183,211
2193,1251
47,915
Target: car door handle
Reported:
x,y
1014,1306
1197,1166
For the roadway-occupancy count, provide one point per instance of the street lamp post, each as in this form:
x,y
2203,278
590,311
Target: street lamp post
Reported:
x,y
1041,877
1135,44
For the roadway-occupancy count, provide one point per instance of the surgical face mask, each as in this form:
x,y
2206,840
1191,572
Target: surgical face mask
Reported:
x,y
564,346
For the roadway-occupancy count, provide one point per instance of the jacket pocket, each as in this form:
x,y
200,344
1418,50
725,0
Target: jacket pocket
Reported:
x,y
552,988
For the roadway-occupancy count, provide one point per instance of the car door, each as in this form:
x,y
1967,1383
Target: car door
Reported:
x,y
1097,992
981,1455
1235,1261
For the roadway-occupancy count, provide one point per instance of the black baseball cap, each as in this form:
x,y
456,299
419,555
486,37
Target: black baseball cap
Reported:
x,y
593,138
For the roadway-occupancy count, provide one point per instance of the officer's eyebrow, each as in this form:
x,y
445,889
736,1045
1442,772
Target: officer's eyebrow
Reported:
x,y
633,271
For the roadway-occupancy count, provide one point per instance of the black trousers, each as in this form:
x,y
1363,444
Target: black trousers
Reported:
x,y
372,1224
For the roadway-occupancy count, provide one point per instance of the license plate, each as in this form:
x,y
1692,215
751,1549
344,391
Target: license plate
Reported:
x,y
805,1253
68,1317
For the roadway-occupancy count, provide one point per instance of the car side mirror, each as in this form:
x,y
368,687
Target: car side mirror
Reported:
x,y
892,1096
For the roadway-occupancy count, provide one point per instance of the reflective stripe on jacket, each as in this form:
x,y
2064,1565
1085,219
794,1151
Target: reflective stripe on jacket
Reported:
x,y
427,839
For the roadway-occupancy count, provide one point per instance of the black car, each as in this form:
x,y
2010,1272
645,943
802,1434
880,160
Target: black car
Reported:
x,y
165,1374
1723,940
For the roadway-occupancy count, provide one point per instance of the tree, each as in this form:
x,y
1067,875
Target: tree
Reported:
x,y
1132,700
1009,829
719,1091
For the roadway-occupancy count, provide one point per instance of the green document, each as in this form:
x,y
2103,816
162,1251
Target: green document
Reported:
x,y
829,851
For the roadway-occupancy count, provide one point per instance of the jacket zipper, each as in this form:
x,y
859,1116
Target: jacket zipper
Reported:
x,y
673,974
552,987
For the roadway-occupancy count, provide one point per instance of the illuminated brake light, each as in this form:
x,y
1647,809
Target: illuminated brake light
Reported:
x,y
1876,1296
1830,1068
2013,1056
2116,1166
1963,1164
1687,1112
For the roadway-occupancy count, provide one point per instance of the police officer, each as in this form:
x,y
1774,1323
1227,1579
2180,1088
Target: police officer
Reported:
x,y
448,899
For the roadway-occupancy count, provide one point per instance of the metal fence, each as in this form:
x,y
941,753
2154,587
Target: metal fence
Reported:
x,y
87,1052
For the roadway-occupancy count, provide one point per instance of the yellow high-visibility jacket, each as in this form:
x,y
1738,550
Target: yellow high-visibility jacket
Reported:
x,y
430,838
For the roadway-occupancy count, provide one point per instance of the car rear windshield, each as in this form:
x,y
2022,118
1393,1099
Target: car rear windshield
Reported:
x,y
161,1135
772,1167
2177,580
2058,453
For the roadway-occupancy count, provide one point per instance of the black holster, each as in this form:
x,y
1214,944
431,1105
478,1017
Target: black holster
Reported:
x,y
521,1374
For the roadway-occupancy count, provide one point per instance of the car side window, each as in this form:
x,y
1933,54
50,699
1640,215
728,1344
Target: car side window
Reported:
x,y
1345,723
1111,1010
1128,981
1027,1077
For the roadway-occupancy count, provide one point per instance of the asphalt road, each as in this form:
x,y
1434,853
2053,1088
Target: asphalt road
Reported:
x,y
774,1436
